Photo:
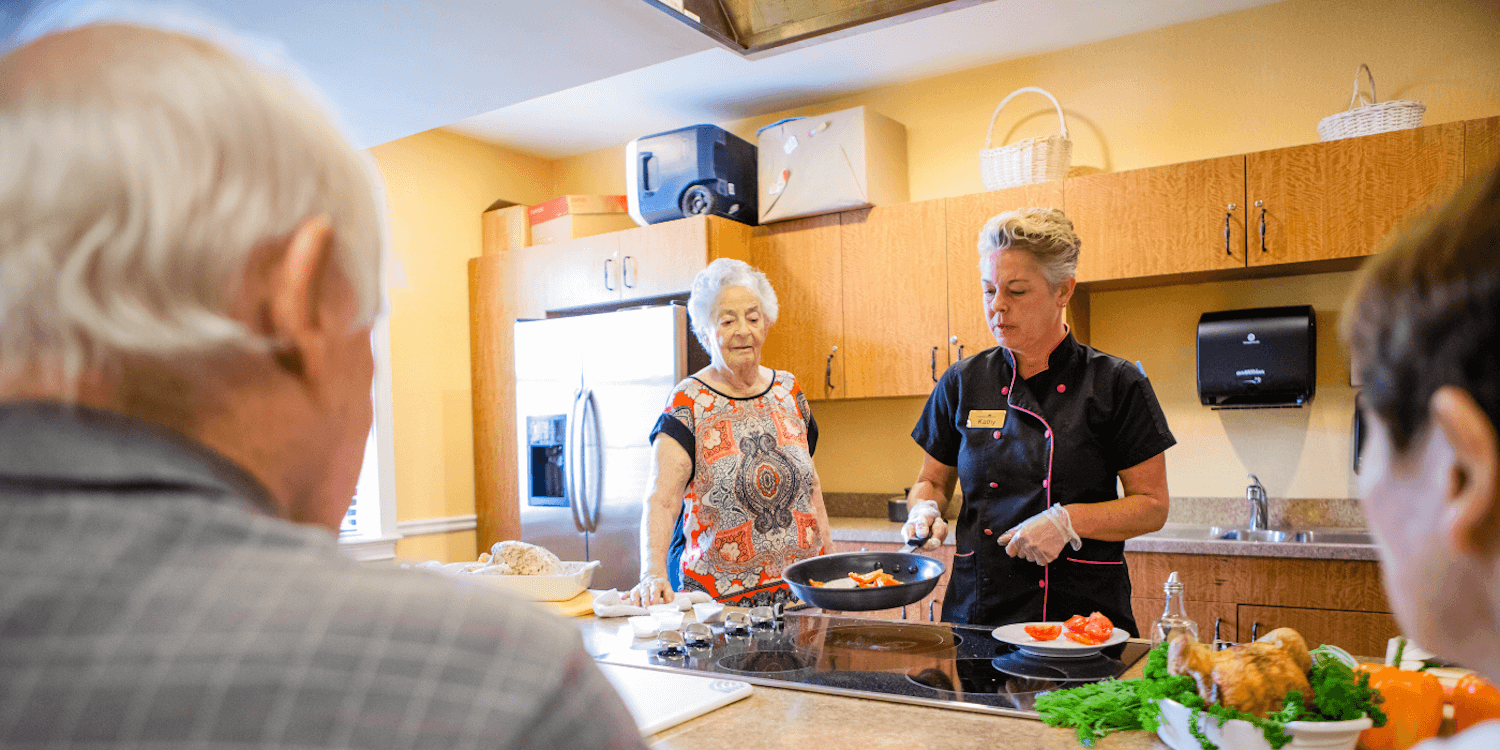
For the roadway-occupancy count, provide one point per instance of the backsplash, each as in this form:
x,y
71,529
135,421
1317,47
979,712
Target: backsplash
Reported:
x,y
1200,511
871,504
1284,513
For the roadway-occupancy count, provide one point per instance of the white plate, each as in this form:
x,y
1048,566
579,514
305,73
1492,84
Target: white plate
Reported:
x,y
1015,635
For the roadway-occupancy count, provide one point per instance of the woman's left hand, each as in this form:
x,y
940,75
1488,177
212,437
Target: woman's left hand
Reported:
x,y
1041,538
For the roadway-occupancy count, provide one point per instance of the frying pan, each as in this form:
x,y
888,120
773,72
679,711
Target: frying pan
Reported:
x,y
918,575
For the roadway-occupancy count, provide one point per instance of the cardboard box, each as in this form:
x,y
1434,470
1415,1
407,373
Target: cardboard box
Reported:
x,y
568,217
506,229
853,158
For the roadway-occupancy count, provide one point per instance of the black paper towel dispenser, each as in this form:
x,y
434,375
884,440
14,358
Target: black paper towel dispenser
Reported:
x,y
1257,359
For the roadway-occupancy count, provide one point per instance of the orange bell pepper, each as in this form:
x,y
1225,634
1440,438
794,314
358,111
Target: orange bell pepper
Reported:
x,y
1474,700
1413,707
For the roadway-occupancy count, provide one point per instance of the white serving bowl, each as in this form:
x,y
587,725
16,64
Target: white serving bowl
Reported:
x,y
575,577
1242,735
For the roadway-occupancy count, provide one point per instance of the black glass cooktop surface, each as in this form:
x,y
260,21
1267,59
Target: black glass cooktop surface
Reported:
x,y
940,664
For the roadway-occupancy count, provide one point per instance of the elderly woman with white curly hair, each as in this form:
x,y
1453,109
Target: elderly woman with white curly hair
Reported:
x,y
734,496
1038,429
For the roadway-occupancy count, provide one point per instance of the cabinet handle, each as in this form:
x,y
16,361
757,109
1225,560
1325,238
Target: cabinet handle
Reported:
x,y
1262,206
1255,631
930,616
1227,214
625,272
828,374
1217,622
934,364
960,351
903,611
607,262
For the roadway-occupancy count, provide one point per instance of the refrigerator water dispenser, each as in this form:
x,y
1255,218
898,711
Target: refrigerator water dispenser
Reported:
x,y
544,446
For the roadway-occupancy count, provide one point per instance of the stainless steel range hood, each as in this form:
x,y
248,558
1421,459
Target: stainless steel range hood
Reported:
x,y
750,27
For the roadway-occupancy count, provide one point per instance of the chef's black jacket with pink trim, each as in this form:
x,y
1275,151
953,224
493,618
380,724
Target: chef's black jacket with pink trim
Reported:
x,y
1068,432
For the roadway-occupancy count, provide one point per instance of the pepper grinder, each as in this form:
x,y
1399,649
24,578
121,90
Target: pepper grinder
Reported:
x,y
1174,617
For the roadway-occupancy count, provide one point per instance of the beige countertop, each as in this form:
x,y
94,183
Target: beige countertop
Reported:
x,y
798,720
880,530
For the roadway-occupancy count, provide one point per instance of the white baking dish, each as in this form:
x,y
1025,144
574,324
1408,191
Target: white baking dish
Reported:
x,y
575,577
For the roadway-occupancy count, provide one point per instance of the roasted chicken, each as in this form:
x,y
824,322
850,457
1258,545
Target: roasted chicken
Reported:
x,y
1252,677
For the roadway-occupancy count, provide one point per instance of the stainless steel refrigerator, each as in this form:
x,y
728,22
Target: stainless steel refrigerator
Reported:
x,y
589,388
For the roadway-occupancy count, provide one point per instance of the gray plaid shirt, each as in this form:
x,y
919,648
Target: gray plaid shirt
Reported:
x,y
149,597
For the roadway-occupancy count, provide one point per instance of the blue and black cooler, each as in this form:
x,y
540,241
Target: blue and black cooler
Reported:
x,y
702,169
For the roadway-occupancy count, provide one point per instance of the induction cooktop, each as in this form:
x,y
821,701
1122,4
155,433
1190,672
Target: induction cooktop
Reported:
x,y
926,663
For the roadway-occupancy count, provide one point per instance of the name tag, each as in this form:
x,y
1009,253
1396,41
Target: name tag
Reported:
x,y
988,419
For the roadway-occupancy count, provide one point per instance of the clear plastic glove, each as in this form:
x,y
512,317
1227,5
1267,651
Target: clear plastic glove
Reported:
x,y
653,589
1041,538
919,519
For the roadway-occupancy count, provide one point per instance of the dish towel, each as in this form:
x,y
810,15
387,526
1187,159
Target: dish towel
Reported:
x,y
612,603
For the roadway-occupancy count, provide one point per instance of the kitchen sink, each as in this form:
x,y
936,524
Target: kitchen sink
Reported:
x,y
1281,536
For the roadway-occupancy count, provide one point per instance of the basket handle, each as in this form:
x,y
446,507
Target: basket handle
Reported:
x,y
1354,99
1061,123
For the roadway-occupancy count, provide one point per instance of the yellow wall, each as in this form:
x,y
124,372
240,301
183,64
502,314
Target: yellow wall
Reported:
x,y
1241,82
437,185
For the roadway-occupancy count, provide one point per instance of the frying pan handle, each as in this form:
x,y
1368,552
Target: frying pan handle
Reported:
x,y
912,545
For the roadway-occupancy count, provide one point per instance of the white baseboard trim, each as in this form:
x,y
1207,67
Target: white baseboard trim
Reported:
x,y
429,526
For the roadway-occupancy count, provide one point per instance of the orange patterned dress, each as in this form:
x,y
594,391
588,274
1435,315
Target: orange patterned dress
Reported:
x,y
748,511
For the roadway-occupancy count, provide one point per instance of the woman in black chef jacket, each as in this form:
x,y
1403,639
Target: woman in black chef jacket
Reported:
x,y
1038,429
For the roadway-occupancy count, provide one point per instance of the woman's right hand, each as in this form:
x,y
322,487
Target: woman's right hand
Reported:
x,y
923,516
653,589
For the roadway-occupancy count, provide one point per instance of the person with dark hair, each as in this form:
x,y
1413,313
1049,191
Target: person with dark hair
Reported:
x,y
1423,324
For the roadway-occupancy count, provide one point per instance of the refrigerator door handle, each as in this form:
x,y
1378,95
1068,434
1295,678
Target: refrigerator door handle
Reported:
x,y
590,408
572,435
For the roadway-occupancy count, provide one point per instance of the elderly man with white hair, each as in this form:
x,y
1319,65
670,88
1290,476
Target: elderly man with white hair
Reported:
x,y
190,264
734,497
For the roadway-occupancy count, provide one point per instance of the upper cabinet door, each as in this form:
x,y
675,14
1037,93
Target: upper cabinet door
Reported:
x,y
1481,146
968,331
1179,218
584,271
801,260
1339,199
895,290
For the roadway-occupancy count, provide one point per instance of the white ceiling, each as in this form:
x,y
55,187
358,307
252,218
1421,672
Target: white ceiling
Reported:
x,y
561,77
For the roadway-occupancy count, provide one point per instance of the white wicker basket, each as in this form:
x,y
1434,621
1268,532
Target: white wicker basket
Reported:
x,y
1367,117
1026,161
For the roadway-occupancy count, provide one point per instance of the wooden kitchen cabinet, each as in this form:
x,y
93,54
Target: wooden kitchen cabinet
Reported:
x,y
1339,199
801,260
1359,633
1341,602
895,299
585,271
1481,146
968,331
664,258
1179,218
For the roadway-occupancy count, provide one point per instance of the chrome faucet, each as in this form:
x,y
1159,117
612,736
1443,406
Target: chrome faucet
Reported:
x,y
1256,494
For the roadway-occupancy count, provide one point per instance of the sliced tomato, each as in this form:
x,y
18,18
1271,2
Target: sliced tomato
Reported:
x,y
1075,623
1098,631
1082,638
1098,617
1043,631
